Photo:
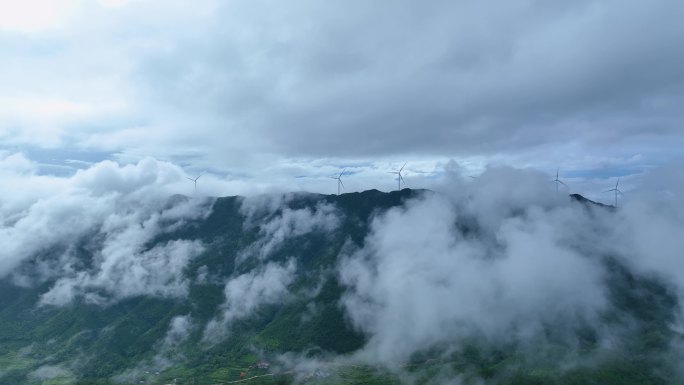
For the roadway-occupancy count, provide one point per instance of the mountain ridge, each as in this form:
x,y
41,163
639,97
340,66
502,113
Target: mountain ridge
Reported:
x,y
131,339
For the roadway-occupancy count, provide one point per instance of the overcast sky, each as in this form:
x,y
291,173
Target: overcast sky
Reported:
x,y
273,93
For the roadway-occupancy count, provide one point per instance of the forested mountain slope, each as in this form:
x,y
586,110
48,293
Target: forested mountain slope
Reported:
x,y
367,287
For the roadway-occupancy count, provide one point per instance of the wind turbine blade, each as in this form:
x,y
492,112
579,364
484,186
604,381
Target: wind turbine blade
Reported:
x,y
402,167
618,182
341,182
558,169
561,182
187,177
198,176
610,190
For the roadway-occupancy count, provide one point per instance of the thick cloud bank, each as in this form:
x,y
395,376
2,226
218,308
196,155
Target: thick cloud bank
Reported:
x,y
501,256
91,231
648,230
343,79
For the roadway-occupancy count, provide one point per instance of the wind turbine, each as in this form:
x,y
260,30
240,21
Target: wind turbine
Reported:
x,y
399,177
557,181
195,180
617,191
339,180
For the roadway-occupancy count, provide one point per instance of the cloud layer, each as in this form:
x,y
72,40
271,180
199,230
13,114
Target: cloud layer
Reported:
x,y
90,232
503,257
259,89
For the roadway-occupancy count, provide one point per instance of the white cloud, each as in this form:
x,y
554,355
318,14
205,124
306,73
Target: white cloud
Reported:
x,y
283,222
500,255
245,293
49,372
112,211
167,351
33,15
16,163
115,3
128,272
179,330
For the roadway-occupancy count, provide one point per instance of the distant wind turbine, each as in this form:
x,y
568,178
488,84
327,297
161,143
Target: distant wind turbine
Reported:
x,y
339,180
195,180
557,181
399,177
617,191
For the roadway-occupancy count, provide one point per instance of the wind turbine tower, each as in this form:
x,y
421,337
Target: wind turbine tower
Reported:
x,y
617,191
399,177
194,180
339,180
558,181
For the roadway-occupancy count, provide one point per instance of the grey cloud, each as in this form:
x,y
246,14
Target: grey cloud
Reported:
x,y
647,229
356,79
434,78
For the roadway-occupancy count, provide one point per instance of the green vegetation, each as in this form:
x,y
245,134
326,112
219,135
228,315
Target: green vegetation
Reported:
x,y
98,343
14,361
